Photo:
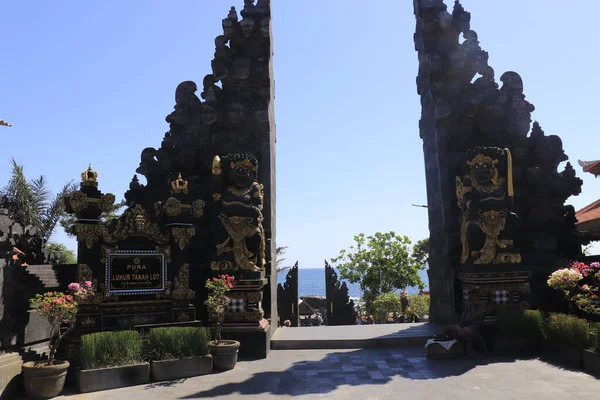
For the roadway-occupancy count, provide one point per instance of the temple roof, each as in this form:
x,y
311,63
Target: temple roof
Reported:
x,y
589,213
593,167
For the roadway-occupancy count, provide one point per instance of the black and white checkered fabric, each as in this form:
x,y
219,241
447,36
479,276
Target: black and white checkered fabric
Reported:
x,y
466,294
237,305
501,296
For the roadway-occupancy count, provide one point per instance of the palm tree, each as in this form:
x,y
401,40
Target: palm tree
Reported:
x,y
279,251
30,202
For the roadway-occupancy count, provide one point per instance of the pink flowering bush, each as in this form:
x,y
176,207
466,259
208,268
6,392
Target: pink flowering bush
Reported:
x,y
580,284
60,309
218,302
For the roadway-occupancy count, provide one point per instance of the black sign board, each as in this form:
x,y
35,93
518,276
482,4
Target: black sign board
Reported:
x,y
135,272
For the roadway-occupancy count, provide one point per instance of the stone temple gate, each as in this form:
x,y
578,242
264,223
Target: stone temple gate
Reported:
x,y
497,213
497,217
207,207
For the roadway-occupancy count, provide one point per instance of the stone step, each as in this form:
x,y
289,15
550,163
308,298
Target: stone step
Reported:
x,y
10,368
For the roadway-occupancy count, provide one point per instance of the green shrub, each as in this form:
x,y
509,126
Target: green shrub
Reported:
x,y
172,343
568,330
110,349
419,304
384,304
597,338
526,324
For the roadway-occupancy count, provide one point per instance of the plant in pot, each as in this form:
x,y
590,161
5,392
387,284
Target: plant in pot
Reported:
x,y
46,379
224,352
520,333
179,352
565,337
111,360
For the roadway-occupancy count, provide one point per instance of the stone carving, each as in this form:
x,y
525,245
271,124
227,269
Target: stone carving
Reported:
x,y
484,197
287,297
181,287
340,309
239,204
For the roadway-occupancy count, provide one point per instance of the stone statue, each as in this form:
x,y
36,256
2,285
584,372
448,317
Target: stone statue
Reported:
x,y
484,196
239,203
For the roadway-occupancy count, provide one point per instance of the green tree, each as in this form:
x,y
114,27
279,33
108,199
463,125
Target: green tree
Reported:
x,y
31,202
60,254
420,251
380,264
384,304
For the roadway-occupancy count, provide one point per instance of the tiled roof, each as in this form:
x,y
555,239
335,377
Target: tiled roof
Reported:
x,y
588,213
593,167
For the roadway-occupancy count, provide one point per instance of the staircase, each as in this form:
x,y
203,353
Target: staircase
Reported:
x,y
45,274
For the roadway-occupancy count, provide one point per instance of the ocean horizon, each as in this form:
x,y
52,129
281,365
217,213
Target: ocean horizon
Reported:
x,y
311,282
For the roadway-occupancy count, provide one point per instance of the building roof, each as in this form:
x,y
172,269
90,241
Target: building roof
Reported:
x,y
593,167
4,123
588,213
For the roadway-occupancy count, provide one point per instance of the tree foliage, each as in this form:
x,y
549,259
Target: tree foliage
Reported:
x,y
31,201
419,304
384,304
280,251
382,263
60,254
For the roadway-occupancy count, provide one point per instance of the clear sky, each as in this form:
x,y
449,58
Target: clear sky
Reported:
x,y
92,81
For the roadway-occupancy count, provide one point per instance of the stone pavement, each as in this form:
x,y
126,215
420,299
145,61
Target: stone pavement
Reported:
x,y
370,374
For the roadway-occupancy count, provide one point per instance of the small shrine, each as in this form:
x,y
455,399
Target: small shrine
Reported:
x,y
207,206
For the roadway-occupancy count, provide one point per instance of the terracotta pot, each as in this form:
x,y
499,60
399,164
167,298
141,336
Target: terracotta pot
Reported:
x,y
44,381
225,354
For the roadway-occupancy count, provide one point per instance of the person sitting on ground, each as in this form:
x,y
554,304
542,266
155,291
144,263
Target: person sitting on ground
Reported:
x,y
470,320
287,323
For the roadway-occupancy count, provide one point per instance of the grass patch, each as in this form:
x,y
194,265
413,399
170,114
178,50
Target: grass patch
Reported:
x,y
568,330
110,349
173,343
526,324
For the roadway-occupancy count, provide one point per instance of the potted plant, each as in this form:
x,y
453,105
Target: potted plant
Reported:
x,y
111,360
46,379
591,358
520,333
179,352
565,338
224,352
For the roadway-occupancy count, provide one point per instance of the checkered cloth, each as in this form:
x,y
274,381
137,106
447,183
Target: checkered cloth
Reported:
x,y
515,297
237,305
501,296
466,294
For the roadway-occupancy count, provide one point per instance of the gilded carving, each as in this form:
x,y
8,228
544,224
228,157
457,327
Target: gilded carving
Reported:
x,y
239,197
89,234
105,251
89,177
135,222
78,201
107,202
172,207
181,288
179,185
166,250
84,273
485,199
198,208
182,236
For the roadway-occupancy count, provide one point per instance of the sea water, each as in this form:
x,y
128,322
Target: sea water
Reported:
x,y
311,282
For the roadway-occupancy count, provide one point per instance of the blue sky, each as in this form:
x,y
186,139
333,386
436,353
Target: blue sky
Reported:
x,y
93,81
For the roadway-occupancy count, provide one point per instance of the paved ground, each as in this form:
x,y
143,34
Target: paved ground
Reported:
x,y
371,374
